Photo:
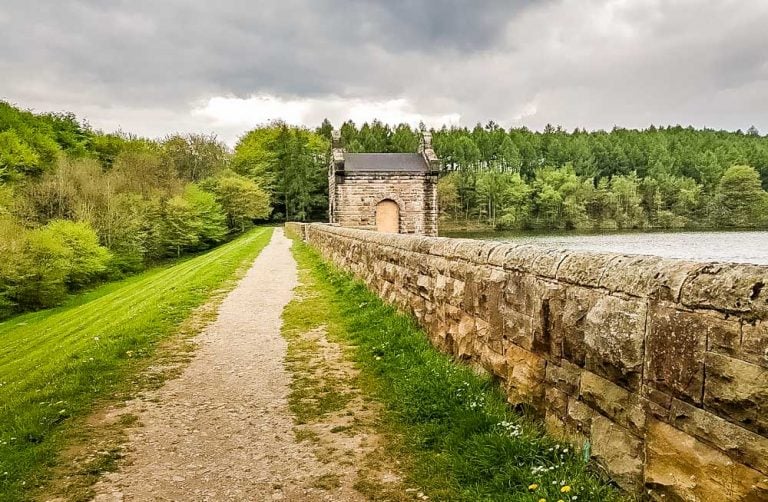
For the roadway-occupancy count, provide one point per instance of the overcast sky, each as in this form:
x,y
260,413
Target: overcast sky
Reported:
x,y
159,66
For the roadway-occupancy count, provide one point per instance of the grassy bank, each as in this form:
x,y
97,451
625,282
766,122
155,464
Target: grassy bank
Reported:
x,y
451,429
57,365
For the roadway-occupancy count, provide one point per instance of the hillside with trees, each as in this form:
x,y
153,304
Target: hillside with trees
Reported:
x,y
670,177
79,206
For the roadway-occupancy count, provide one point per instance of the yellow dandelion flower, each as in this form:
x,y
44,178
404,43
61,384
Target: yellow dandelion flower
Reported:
x,y
533,486
565,489
542,500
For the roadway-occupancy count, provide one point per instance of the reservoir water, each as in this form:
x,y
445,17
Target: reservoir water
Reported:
x,y
728,246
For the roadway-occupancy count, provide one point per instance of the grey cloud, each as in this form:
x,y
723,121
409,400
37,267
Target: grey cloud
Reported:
x,y
586,63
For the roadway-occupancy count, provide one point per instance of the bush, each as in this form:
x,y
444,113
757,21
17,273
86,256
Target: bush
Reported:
x,y
12,247
42,270
87,260
39,267
741,200
192,221
242,199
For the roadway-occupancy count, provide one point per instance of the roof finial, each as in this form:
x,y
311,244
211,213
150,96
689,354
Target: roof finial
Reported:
x,y
425,149
336,139
337,150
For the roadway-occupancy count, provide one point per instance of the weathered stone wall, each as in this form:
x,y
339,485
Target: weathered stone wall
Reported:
x,y
661,364
354,198
296,230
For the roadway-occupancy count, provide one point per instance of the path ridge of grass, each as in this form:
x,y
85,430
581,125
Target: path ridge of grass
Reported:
x,y
450,428
57,365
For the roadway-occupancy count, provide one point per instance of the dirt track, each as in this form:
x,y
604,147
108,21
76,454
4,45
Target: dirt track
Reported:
x,y
223,430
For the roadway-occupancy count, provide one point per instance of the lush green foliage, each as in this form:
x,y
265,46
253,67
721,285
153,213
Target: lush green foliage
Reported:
x,y
291,163
78,205
56,364
456,436
658,177
41,265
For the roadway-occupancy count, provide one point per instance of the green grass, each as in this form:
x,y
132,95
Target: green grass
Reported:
x,y
450,428
57,365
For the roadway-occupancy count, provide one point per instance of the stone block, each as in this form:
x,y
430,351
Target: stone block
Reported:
x,y
619,452
657,403
490,301
555,411
567,318
487,336
680,467
677,341
754,343
494,362
564,376
519,258
525,376
472,287
584,268
523,293
579,416
647,276
737,390
556,402
738,443
547,261
614,335
519,328
425,285
498,256
464,336
729,287
474,251
724,334
621,406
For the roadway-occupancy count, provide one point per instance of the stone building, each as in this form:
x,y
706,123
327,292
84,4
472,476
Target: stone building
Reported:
x,y
388,192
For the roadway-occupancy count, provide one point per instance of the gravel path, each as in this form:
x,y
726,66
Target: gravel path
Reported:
x,y
223,430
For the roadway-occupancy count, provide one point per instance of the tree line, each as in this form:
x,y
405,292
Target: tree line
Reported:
x,y
659,177
78,206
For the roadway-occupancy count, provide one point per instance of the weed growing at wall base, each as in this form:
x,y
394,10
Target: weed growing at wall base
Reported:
x,y
56,365
452,428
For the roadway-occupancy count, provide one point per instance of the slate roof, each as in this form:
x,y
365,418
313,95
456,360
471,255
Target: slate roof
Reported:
x,y
387,162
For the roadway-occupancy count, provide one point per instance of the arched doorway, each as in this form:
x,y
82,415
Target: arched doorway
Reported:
x,y
388,216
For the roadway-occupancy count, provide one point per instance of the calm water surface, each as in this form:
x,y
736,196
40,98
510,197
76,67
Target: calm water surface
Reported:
x,y
740,247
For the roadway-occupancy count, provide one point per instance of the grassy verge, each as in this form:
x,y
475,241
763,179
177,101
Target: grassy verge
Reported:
x,y
57,365
450,428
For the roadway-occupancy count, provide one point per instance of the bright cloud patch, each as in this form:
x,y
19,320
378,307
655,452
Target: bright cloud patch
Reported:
x,y
234,115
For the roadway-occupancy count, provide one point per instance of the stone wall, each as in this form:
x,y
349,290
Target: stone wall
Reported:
x,y
354,198
661,364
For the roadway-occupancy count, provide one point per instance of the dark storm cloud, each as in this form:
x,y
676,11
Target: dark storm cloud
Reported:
x,y
588,63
